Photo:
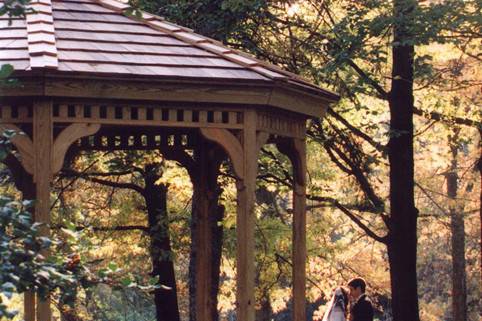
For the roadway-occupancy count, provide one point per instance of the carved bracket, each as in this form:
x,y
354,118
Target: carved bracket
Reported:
x,y
24,146
66,138
261,139
294,149
230,144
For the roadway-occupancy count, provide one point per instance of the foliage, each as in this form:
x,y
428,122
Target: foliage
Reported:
x,y
11,8
223,20
23,265
14,8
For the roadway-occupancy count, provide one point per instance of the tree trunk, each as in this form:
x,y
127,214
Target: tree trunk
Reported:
x,y
479,165
167,308
459,285
206,189
265,311
402,243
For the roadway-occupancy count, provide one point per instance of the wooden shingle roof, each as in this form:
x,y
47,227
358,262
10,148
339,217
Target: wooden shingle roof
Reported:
x,y
96,37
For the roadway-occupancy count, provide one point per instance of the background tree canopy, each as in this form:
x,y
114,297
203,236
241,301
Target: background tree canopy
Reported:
x,y
394,171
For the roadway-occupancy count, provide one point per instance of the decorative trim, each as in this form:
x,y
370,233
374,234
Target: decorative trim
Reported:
x,y
109,114
281,125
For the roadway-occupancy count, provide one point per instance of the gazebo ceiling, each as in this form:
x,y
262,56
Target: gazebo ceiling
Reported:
x,y
96,39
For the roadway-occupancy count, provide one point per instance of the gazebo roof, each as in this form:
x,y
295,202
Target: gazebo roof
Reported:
x,y
97,38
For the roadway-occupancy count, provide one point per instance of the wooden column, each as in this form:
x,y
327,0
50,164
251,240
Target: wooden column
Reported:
x,y
28,193
299,232
29,306
207,167
203,246
295,149
244,158
42,142
245,221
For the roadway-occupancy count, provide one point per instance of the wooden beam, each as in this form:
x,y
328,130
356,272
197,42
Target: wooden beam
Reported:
x,y
42,142
223,92
176,91
31,86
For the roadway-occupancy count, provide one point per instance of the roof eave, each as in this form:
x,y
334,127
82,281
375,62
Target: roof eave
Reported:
x,y
287,96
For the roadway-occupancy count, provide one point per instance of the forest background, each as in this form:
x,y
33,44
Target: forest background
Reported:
x,y
101,212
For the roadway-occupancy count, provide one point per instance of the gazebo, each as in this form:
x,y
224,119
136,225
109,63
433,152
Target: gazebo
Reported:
x,y
92,77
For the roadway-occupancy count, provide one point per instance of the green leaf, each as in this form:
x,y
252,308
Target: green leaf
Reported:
x,y
113,267
6,70
126,281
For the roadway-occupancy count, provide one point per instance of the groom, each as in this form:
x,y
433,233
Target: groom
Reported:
x,y
361,307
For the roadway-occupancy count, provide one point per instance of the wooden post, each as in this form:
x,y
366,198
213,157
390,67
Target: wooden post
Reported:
x,y
295,149
208,213
42,142
28,193
29,301
244,158
203,239
246,186
29,305
299,232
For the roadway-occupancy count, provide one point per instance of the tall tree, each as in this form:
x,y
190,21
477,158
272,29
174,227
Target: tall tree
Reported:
x,y
402,239
457,228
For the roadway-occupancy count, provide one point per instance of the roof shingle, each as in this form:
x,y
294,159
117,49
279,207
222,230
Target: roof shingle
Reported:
x,y
97,36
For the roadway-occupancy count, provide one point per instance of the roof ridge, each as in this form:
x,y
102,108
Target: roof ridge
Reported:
x,y
42,46
188,35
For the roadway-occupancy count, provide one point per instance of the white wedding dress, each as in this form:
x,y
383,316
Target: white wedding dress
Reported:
x,y
336,308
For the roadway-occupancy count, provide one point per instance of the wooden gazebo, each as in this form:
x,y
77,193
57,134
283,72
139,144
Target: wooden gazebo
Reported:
x,y
92,78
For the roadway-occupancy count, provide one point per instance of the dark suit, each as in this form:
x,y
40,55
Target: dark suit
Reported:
x,y
362,310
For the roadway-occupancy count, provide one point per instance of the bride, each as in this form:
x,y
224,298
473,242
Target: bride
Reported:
x,y
337,308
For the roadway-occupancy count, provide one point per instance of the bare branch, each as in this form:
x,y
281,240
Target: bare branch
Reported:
x,y
86,176
353,217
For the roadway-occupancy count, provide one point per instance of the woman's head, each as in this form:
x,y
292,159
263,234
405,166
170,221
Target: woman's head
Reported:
x,y
341,298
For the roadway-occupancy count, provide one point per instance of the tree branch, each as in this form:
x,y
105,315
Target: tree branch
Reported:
x,y
448,119
108,228
381,148
353,217
86,176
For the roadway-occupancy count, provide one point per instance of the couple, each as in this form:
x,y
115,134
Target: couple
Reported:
x,y
360,306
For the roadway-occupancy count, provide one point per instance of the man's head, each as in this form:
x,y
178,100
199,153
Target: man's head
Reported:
x,y
357,287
